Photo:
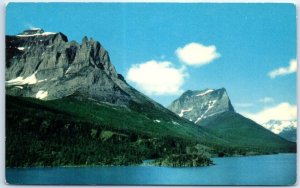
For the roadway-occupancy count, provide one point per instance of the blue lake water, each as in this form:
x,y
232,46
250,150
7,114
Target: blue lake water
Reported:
x,y
253,170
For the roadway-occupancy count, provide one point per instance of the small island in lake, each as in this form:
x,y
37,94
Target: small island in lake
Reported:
x,y
187,160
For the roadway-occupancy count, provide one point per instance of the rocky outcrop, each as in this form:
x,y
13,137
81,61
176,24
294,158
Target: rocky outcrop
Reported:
x,y
47,66
198,105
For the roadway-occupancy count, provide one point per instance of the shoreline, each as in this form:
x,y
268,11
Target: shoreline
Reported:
x,y
141,164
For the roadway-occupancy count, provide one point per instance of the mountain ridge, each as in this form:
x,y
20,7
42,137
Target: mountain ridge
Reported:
x,y
55,87
53,53
47,66
58,91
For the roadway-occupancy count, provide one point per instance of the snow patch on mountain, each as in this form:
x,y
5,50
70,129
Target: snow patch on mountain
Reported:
x,y
20,87
210,105
30,80
42,80
41,94
37,34
206,92
183,111
22,81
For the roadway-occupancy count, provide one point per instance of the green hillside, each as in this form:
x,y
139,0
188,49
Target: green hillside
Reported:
x,y
243,132
73,132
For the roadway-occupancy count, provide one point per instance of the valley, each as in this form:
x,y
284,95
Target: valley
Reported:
x,y
67,106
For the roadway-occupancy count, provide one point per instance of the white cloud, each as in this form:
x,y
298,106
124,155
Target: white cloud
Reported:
x,y
243,105
292,68
283,111
157,77
266,100
196,54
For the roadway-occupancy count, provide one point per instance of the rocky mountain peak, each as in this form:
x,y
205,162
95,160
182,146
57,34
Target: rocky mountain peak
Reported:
x,y
45,65
200,104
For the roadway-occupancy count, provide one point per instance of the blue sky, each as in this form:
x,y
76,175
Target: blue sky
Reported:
x,y
248,41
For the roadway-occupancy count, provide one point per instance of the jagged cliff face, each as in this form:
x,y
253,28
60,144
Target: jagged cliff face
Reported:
x,y
198,105
47,66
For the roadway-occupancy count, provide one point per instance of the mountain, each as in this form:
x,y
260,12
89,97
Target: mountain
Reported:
x,y
242,131
285,128
66,105
198,105
212,110
46,66
289,134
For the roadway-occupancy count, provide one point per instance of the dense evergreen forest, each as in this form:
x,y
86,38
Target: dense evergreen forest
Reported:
x,y
42,133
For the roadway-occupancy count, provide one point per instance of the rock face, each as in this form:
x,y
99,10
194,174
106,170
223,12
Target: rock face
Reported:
x,y
47,66
198,105
284,128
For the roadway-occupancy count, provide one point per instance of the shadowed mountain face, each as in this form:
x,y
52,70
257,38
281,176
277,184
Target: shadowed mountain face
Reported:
x,y
198,105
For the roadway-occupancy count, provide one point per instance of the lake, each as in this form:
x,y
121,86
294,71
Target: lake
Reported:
x,y
277,169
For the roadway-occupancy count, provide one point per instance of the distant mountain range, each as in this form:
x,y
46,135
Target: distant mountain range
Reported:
x,y
285,128
67,105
